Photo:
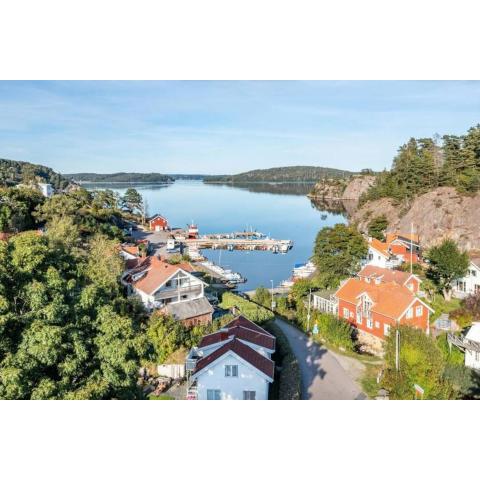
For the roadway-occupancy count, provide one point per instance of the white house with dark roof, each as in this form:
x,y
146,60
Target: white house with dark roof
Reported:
x,y
470,283
233,363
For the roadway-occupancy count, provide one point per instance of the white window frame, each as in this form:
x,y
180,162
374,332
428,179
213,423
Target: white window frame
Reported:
x,y
214,394
346,313
419,310
231,370
409,313
386,329
249,393
369,322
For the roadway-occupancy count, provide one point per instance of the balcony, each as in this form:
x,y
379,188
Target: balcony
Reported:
x,y
171,292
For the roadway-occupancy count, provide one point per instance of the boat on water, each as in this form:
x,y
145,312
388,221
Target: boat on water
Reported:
x,y
225,273
303,270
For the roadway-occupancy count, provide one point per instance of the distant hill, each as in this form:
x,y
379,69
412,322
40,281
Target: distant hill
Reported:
x,y
120,177
13,172
299,174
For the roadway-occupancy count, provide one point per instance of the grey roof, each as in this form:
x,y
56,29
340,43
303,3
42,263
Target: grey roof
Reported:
x,y
324,293
189,309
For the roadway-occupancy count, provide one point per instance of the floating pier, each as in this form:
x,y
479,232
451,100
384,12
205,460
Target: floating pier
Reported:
x,y
226,243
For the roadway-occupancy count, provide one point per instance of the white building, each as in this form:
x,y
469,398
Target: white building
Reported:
x,y
472,346
46,189
470,283
172,288
233,363
377,256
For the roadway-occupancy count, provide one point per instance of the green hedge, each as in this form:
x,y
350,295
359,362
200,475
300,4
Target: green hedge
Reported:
x,y
253,311
287,384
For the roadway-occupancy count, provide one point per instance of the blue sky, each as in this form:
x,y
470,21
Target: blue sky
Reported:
x,y
225,127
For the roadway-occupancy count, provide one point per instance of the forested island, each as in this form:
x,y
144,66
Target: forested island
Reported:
x,y
14,172
120,177
300,174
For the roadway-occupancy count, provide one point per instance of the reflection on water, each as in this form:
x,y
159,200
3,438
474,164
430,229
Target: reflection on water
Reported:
x,y
340,207
277,210
272,187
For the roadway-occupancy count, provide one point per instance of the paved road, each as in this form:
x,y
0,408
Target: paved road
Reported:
x,y
323,378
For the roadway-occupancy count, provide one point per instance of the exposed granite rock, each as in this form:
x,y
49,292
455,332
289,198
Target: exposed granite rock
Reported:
x,y
357,187
436,215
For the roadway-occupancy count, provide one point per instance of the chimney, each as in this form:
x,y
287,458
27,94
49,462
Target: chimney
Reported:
x,y
223,335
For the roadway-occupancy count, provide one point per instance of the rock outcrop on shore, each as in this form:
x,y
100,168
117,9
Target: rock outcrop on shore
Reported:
x,y
436,215
357,186
342,190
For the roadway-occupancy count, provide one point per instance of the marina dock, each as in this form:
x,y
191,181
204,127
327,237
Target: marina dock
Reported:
x,y
226,243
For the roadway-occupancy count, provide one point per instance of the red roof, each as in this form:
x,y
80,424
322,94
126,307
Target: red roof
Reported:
x,y
156,273
241,321
385,274
246,334
388,299
258,361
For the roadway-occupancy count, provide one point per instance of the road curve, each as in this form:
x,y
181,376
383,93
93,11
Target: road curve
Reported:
x,y
323,378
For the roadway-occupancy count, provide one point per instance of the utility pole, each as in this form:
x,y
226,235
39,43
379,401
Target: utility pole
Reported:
x,y
397,349
411,248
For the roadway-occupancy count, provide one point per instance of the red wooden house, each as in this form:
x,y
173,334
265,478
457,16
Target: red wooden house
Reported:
x,y
158,223
375,306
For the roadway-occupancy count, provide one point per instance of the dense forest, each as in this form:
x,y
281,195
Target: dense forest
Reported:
x,y
13,172
123,177
426,163
281,174
67,331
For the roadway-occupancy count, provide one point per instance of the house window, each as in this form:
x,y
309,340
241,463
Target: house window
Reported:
x,y
410,286
213,394
477,356
249,394
386,329
377,324
231,370
359,317
369,323
474,273
346,313
419,311
410,313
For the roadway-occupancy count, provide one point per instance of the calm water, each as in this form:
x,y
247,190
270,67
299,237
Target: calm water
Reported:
x,y
280,211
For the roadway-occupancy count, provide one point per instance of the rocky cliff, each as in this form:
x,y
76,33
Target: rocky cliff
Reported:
x,y
357,186
342,190
436,215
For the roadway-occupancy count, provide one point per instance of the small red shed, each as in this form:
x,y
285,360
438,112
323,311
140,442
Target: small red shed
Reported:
x,y
158,223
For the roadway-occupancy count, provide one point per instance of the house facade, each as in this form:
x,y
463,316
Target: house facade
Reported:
x,y
158,223
46,189
171,288
472,347
233,363
377,307
470,283
396,250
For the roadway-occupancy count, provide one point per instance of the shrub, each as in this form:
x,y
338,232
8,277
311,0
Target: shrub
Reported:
x,y
287,384
253,311
262,296
335,331
377,227
421,362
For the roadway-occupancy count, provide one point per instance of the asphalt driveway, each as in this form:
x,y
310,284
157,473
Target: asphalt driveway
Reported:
x,y
323,378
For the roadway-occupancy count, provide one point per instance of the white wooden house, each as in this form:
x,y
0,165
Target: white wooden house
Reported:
x,y
233,363
172,288
470,283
